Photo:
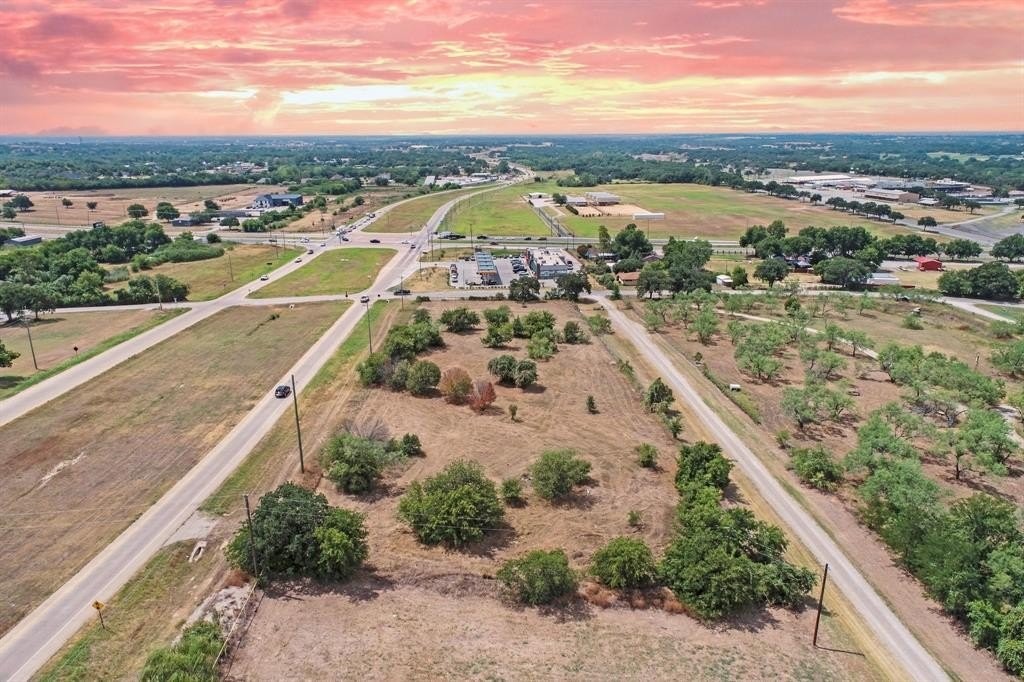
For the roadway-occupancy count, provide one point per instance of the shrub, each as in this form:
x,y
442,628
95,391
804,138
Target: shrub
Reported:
x,y
556,473
398,375
193,657
526,374
513,411
541,346
912,322
511,490
482,396
423,377
498,316
297,533
455,507
410,445
371,371
572,332
624,563
1003,330
421,316
538,578
459,319
455,385
503,367
353,463
591,405
646,455
816,468
536,321
635,519
599,324
497,335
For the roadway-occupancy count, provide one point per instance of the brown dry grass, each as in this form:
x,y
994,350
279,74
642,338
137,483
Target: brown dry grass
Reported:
x,y
81,468
409,589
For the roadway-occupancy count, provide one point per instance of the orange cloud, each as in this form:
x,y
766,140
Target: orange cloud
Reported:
x,y
384,66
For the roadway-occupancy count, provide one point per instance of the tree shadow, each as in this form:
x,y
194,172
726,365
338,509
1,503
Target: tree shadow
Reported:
x,y
535,389
497,538
11,381
572,610
365,585
750,619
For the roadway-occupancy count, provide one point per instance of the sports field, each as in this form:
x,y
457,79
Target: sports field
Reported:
x,y
500,213
410,216
338,271
209,279
710,212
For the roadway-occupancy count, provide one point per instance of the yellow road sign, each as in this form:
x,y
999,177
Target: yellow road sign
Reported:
x,y
98,605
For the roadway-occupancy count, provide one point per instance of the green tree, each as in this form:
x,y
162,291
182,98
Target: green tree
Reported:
x,y
1010,248
771,271
985,439
624,563
166,211
658,396
647,455
7,356
540,577
137,211
599,325
816,468
353,463
459,319
289,540
570,285
739,276
20,202
557,472
455,507
573,333
541,346
701,465
705,325
524,289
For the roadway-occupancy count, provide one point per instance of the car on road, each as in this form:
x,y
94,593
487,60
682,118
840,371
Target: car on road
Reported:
x,y
375,241
404,241
412,246
264,278
344,238
402,292
282,391
364,299
309,251
298,260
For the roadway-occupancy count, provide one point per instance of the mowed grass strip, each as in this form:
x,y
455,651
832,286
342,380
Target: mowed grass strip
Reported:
x,y
56,336
212,278
337,271
410,216
712,212
500,213
81,468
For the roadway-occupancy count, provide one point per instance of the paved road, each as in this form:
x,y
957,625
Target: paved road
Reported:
x,y
31,643
890,632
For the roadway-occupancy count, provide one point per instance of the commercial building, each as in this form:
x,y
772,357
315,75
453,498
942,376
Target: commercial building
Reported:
x,y
277,200
883,279
892,195
546,264
602,198
486,268
575,201
950,185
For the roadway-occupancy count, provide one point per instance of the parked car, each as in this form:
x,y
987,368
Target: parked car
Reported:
x,y
282,391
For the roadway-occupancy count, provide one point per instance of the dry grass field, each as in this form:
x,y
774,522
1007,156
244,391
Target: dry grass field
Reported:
x,y
56,335
80,469
112,204
373,199
428,279
711,212
407,589
412,215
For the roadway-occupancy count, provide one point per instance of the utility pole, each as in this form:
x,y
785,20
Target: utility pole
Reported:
x,y
369,333
231,270
252,539
298,428
30,346
821,599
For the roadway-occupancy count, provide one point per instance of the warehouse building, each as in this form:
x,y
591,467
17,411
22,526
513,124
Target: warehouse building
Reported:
x,y
602,198
892,195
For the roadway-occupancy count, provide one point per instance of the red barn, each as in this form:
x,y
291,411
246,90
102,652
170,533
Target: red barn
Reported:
x,y
925,263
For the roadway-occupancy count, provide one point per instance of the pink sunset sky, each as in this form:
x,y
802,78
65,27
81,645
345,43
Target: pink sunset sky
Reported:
x,y
554,66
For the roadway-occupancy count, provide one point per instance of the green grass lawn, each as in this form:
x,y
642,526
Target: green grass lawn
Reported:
x,y
711,212
412,215
209,279
1015,314
337,271
500,213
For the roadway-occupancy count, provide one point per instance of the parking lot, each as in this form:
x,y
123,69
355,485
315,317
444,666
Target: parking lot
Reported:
x,y
506,265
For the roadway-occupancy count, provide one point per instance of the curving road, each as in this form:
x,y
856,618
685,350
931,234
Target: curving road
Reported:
x,y
31,643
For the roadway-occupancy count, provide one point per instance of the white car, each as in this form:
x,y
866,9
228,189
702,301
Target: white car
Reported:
x,y
364,299
264,278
